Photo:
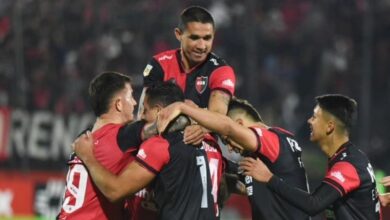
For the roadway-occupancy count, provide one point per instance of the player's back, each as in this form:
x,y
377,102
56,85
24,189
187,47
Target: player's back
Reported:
x,y
82,199
182,187
282,154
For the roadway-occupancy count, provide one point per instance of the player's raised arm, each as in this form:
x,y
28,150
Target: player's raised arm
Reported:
x,y
219,101
211,120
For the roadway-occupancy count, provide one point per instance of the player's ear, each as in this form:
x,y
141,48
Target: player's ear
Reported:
x,y
159,107
118,104
330,127
240,121
178,34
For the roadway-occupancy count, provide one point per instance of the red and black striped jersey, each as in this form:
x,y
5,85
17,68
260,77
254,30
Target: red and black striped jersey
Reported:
x,y
351,174
197,84
82,199
182,187
347,192
279,150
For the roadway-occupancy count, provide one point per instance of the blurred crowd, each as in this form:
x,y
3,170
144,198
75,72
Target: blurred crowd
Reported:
x,y
284,52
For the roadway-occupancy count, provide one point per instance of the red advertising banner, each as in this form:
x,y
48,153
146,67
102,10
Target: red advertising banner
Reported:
x,y
16,197
31,194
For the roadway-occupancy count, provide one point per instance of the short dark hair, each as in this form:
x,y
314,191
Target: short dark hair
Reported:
x,y
195,14
340,106
243,105
103,87
164,93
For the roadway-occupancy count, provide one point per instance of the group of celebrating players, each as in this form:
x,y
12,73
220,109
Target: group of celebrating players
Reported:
x,y
168,163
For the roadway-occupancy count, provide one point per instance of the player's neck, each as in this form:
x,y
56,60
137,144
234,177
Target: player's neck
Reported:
x,y
332,144
104,120
186,64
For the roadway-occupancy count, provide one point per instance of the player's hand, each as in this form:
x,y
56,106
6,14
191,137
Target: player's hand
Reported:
x,y
83,146
193,134
256,169
166,115
386,181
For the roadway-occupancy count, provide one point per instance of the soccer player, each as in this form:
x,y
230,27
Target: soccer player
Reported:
x,y
205,78
156,98
179,172
348,190
112,101
245,130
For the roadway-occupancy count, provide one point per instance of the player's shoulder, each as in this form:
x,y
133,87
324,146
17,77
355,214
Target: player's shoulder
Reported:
x,y
216,60
166,55
281,131
351,155
157,139
356,157
108,129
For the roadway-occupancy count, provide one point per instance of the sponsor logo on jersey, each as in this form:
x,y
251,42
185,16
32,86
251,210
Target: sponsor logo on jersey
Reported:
x,y
201,83
228,82
147,69
214,61
141,154
338,175
165,57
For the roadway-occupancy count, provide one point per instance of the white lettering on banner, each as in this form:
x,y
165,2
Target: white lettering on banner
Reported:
x,y
37,145
19,124
6,197
43,135
62,136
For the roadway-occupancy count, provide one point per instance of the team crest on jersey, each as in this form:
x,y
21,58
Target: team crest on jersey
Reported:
x,y
201,83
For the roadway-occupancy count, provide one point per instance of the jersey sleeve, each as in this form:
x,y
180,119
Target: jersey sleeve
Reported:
x,y
223,78
129,136
154,154
268,143
343,177
153,72
311,204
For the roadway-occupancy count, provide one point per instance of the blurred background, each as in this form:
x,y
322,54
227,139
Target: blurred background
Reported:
x,y
284,52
